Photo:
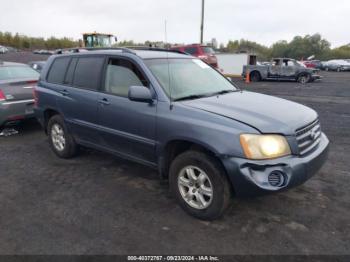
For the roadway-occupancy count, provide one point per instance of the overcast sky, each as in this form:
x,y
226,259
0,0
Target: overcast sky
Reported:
x,y
264,21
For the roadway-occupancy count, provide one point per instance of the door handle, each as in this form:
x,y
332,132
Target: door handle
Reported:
x,y
64,92
104,101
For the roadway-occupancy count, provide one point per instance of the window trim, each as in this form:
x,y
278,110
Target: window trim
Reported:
x,y
108,57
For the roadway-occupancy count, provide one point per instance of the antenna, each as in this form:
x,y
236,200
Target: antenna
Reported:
x,y
167,57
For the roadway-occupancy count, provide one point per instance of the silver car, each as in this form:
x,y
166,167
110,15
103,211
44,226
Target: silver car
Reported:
x,y
16,91
337,65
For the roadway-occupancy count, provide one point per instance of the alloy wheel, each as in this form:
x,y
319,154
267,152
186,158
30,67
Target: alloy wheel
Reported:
x,y
195,187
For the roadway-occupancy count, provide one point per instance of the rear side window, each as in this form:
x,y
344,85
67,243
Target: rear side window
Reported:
x,y
191,50
70,72
58,70
88,72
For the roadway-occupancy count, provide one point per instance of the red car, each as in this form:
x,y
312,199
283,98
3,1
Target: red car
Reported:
x,y
312,63
205,53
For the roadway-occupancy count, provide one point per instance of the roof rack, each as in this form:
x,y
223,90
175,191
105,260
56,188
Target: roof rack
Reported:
x,y
84,49
127,49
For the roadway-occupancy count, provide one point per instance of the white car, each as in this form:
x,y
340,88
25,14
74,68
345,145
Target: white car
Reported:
x,y
3,50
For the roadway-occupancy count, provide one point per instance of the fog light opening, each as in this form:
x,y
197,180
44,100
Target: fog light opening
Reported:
x,y
277,178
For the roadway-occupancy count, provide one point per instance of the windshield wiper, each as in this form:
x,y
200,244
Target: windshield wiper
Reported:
x,y
190,97
223,92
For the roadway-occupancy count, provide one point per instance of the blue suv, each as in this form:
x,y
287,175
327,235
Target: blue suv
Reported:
x,y
173,112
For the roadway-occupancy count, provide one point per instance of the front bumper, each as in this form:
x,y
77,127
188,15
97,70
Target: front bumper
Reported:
x,y
249,177
16,110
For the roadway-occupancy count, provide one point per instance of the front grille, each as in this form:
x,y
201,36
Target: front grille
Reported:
x,y
308,137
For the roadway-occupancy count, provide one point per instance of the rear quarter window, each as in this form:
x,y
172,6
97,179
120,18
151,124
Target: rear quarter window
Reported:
x,y
58,70
88,72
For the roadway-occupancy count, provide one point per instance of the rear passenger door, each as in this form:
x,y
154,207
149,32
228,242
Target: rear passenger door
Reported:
x,y
127,127
78,95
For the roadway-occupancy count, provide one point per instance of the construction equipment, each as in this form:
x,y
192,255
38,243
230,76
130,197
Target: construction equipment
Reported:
x,y
98,40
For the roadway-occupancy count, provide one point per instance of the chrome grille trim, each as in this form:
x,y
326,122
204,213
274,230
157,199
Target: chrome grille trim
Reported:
x,y
308,137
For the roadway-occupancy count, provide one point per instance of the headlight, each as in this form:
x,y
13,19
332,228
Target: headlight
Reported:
x,y
264,146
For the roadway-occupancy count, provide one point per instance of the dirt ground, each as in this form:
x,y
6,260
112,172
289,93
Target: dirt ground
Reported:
x,y
99,204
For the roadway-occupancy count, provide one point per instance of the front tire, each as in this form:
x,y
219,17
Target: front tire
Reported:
x,y
62,143
304,78
199,185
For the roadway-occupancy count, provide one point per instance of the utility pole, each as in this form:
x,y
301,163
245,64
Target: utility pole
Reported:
x,y
202,22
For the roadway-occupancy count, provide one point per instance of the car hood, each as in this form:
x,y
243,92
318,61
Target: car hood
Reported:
x,y
265,113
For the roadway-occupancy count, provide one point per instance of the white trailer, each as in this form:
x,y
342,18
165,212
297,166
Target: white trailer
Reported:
x,y
231,65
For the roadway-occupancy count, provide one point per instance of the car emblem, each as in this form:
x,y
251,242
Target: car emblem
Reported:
x,y
313,133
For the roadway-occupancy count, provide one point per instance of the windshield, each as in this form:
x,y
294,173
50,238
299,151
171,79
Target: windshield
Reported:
x,y
188,77
13,72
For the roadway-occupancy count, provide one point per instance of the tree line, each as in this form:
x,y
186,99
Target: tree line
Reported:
x,y
25,42
300,47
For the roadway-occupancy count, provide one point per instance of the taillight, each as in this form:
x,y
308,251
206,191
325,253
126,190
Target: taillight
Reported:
x,y
36,98
2,96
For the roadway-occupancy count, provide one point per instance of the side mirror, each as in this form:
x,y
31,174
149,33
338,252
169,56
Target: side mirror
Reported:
x,y
229,78
140,94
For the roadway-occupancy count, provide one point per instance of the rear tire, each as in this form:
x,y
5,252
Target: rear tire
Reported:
x,y
255,76
203,192
62,143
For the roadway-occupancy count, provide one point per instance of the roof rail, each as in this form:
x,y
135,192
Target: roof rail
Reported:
x,y
147,48
84,49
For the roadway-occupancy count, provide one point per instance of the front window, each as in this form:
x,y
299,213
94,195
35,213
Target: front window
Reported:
x,y
187,78
14,72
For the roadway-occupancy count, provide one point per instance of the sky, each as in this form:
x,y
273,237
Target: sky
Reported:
x,y
263,21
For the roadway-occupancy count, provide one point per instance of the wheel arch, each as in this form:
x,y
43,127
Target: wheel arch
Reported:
x,y
175,147
48,113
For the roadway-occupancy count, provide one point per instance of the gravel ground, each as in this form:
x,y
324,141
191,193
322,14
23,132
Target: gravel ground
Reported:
x,y
99,204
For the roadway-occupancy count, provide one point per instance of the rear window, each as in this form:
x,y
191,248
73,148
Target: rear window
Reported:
x,y
208,50
58,70
88,72
14,72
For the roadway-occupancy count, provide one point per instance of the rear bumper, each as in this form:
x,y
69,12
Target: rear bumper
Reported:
x,y
250,177
16,110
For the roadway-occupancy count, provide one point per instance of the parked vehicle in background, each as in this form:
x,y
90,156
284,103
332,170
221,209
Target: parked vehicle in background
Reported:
x,y
231,65
16,91
203,52
3,50
43,52
317,64
37,65
337,65
177,114
282,69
